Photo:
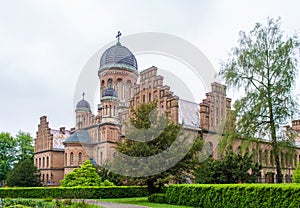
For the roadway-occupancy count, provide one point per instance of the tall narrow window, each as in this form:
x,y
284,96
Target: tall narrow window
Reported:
x,y
79,158
271,158
47,162
71,158
66,158
266,157
43,162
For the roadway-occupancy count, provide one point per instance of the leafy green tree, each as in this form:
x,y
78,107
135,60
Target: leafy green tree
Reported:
x,y
264,66
24,174
24,143
296,174
7,151
233,168
14,150
85,175
152,142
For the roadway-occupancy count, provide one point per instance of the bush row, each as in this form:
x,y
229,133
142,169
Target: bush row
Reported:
x,y
75,192
231,196
26,202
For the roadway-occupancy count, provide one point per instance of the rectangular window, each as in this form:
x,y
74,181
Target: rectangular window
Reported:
x,y
66,157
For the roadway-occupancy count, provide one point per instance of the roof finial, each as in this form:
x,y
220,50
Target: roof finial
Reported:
x,y
83,95
118,37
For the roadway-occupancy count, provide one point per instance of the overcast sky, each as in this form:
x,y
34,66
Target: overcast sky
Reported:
x,y
45,44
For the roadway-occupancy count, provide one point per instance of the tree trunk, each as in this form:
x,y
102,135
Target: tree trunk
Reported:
x,y
274,142
150,186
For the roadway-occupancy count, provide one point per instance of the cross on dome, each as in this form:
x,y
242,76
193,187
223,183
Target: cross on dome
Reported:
x,y
118,37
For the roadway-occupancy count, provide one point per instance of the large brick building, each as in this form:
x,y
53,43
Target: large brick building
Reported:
x,y
57,152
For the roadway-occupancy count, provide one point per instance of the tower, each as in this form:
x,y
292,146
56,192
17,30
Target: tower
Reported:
x,y
118,70
109,126
82,111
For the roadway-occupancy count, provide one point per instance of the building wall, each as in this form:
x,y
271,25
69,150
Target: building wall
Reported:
x,y
215,108
151,88
213,112
48,156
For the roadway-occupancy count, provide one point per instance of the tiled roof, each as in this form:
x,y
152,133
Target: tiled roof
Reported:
x,y
81,136
59,137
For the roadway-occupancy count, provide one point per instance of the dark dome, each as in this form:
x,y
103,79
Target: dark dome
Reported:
x,y
118,56
83,105
110,92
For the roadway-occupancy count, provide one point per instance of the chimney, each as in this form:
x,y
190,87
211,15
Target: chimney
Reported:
x,y
62,130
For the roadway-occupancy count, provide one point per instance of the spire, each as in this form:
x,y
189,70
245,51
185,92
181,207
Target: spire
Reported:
x,y
118,37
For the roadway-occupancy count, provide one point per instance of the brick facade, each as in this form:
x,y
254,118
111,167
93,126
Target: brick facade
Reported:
x,y
55,154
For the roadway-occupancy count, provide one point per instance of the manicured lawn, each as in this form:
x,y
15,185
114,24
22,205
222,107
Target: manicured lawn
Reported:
x,y
143,201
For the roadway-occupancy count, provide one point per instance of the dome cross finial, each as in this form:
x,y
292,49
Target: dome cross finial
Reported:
x,y
83,95
118,37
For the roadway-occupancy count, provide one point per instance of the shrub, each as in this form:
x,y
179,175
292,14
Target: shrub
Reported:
x,y
75,192
158,198
296,174
26,202
235,195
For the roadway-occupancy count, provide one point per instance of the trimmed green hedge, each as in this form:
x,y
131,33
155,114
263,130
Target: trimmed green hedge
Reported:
x,y
232,195
75,192
158,198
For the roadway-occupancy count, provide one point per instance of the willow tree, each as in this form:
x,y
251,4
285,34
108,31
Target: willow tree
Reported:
x,y
264,67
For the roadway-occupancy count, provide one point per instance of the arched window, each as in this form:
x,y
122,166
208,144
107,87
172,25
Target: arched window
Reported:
x,y
47,162
209,149
109,81
102,83
79,158
43,162
39,162
71,158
